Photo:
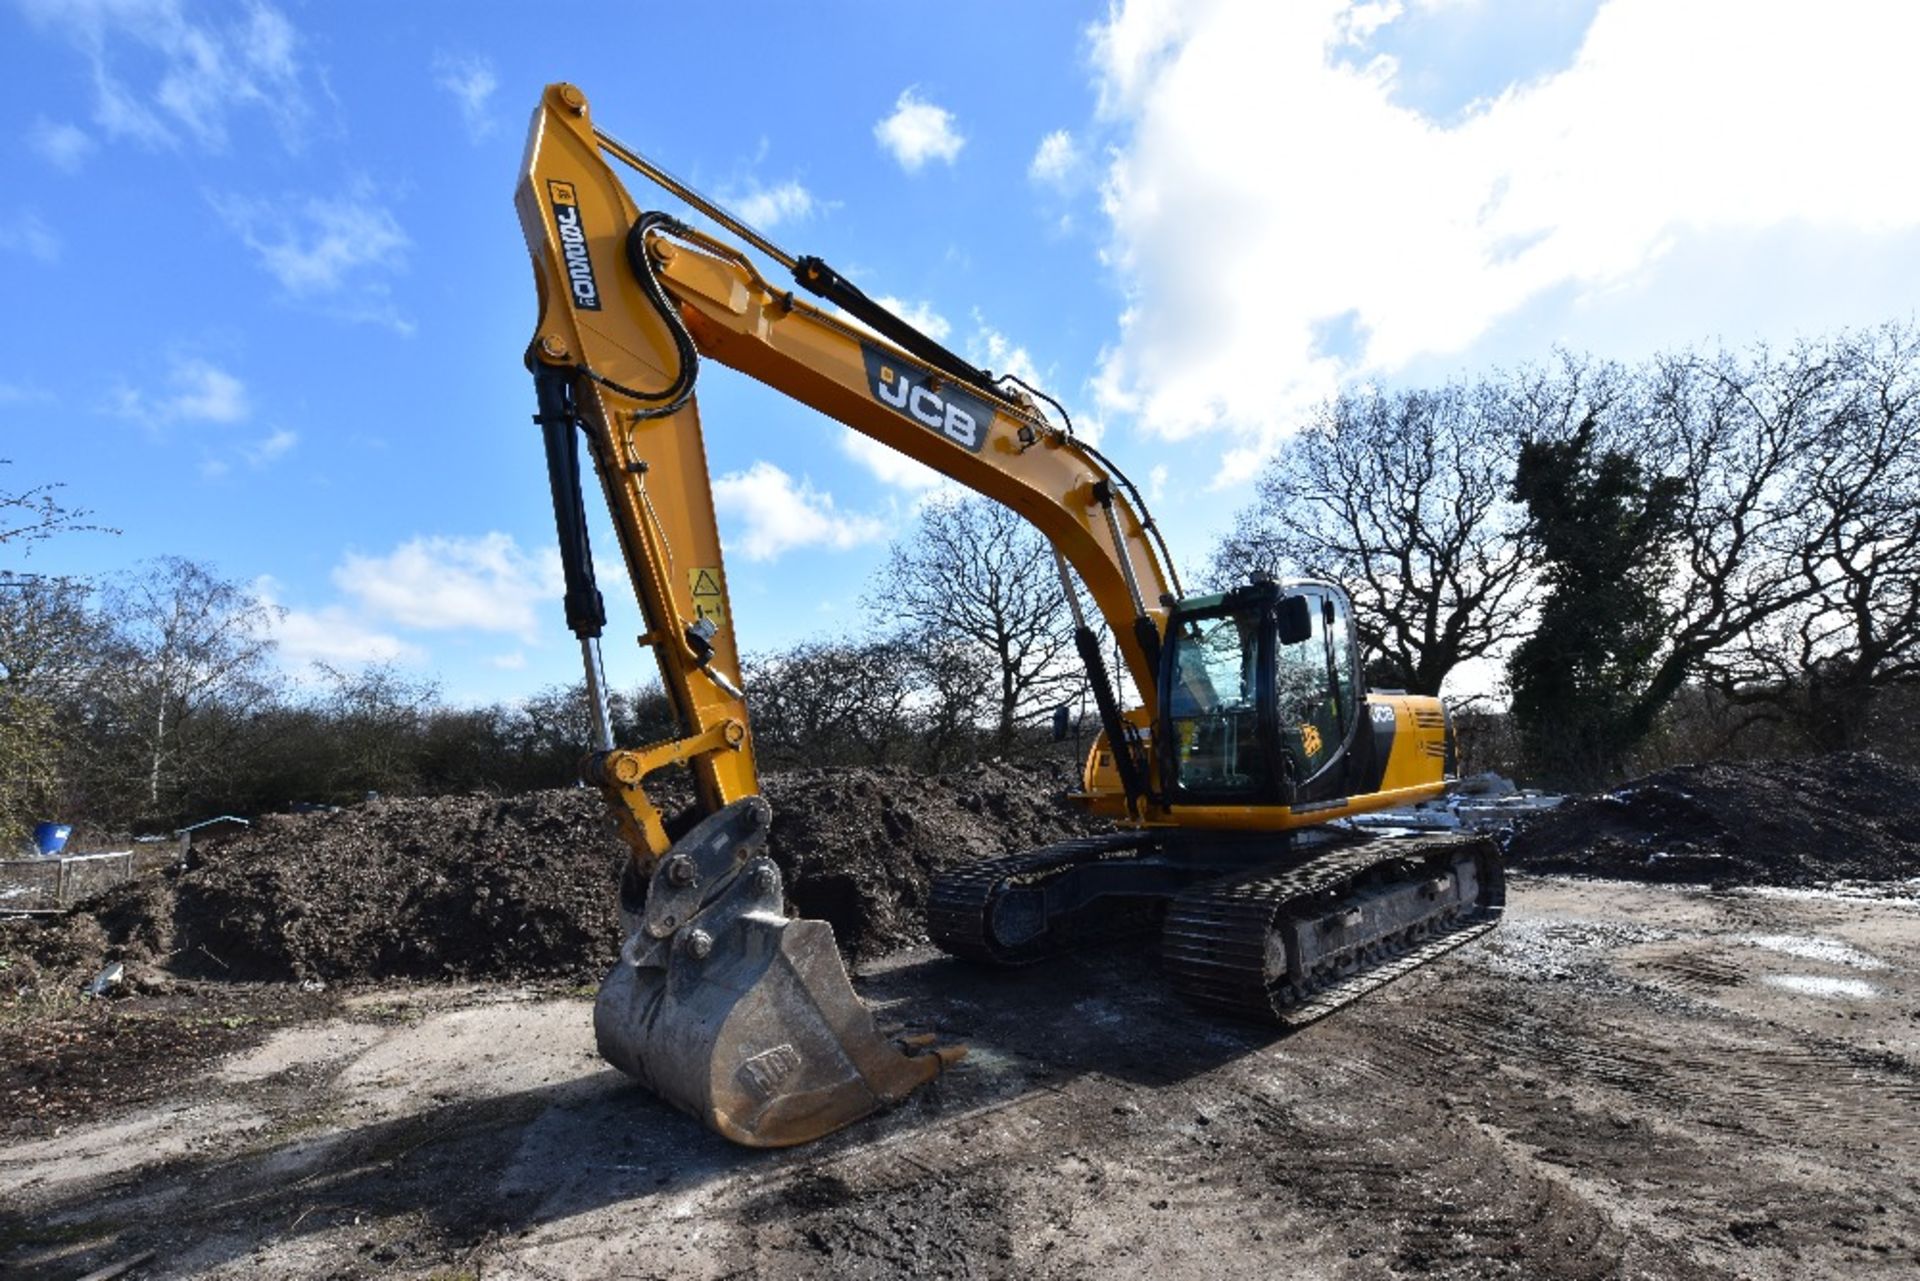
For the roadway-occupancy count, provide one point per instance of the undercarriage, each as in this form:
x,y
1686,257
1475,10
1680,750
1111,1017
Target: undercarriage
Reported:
x,y
1276,928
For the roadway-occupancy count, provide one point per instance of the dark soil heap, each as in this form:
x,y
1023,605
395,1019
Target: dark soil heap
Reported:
x,y
523,887
1852,816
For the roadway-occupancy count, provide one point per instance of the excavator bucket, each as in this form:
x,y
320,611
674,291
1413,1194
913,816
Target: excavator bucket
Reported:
x,y
738,1014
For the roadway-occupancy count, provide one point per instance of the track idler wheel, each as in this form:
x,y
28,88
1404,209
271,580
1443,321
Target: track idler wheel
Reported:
x,y
736,1013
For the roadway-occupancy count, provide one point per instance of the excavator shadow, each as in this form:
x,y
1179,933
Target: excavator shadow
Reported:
x,y
1106,1010
485,1172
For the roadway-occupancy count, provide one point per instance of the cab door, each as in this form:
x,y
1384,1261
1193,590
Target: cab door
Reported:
x,y
1317,700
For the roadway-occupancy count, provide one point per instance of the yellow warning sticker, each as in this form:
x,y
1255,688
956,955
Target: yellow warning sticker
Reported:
x,y
709,599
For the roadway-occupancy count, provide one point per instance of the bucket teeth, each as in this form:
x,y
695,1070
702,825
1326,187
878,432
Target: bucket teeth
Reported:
x,y
740,1015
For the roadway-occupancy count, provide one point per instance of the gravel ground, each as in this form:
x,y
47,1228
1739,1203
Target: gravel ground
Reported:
x,y
1624,1079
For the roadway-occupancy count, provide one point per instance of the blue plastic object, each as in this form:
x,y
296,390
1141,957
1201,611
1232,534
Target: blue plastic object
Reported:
x,y
51,838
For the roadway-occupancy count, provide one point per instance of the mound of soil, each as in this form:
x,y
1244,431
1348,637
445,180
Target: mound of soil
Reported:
x,y
50,958
1853,816
425,887
523,887
858,847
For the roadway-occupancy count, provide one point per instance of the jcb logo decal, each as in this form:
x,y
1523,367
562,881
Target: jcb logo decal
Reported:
x,y
573,246
960,417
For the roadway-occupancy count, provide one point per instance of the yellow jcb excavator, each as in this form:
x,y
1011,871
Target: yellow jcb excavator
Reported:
x,y
1254,728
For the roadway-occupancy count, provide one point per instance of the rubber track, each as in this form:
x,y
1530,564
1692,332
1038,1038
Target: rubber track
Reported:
x,y
1214,945
959,900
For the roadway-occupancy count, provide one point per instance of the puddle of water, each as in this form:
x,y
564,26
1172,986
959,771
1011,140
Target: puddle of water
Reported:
x,y
1808,948
1816,985
992,1063
1098,1011
1899,893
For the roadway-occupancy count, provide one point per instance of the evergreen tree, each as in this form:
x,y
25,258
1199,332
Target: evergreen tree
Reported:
x,y
1605,528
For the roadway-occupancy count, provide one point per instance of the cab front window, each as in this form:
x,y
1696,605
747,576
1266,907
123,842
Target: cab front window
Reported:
x,y
1214,707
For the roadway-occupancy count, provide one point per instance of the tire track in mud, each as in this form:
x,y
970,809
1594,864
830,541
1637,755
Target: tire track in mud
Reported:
x,y
917,1223
1718,1076
1702,1134
1462,1127
1456,1203
1698,973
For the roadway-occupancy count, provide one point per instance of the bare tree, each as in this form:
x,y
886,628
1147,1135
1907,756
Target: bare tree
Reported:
x,y
952,699
1764,496
1404,499
50,640
47,635
31,515
555,724
376,720
1846,568
50,636
823,703
975,577
191,643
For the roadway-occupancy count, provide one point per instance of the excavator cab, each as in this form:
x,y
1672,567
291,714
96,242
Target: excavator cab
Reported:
x,y
1260,695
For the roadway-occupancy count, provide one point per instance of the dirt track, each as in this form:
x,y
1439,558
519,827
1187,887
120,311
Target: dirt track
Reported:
x,y
1623,1080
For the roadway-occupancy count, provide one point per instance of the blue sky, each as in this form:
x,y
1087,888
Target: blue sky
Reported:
x,y
269,296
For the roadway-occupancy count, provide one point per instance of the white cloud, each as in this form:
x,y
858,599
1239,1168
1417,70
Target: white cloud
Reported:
x,y
316,244
998,354
198,73
775,514
1056,160
1360,22
331,634
919,131
471,81
64,146
1370,236
27,233
197,391
206,393
442,582
513,661
271,447
764,208
338,249
23,394
920,315
889,466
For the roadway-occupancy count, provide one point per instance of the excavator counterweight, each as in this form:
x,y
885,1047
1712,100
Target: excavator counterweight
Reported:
x,y
1253,732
